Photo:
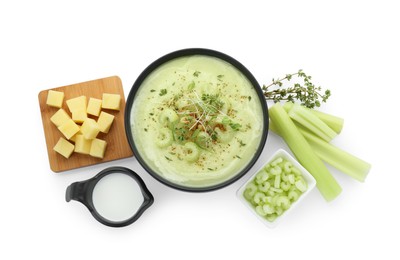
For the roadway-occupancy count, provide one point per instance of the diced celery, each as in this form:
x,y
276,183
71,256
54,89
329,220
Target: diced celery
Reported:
x,y
296,172
276,170
284,176
267,199
287,167
260,211
285,186
251,188
279,210
326,184
268,209
261,177
247,194
311,122
277,182
301,185
258,197
291,178
264,186
293,195
277,161
277,190
271,217
338,158
283,202
274,199
334,122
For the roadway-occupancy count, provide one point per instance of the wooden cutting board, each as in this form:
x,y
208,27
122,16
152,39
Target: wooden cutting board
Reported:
x,y
117,143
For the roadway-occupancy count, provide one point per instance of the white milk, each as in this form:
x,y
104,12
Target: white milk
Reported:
x,y
117,197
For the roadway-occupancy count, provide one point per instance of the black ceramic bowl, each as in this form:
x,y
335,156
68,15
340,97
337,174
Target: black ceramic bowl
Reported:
x,y
133,140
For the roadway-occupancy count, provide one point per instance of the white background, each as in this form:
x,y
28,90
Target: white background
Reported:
x,y
349,47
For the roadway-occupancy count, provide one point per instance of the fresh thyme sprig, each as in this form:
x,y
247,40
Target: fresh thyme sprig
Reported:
x,y
307,93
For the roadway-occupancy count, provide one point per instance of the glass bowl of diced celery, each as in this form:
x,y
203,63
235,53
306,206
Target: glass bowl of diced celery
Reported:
x,y
276,188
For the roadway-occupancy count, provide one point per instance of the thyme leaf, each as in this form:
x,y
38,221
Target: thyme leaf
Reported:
x,y
306,92
163,92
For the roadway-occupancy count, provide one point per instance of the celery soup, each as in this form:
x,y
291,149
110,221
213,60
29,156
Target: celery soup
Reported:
x,y
197,121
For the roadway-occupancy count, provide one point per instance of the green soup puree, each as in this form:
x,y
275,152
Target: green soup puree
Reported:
x,y
197,121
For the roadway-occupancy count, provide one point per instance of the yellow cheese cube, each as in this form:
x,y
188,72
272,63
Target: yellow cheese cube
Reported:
x,y
55,98
98,148
79,115
105,121
111,101
94,106
89,128
64,147
73,138
60,117
69,128
78,103
82,145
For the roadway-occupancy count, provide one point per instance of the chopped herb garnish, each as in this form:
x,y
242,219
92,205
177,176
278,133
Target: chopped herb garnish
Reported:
x,y
152,114
241,143
145,129
163,92
220,77
237,156
196,73
177,96
226,121
191,85
169,159
210,169
235,126
152,90
249,97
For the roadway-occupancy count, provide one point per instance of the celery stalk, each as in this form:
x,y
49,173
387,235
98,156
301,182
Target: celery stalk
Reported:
x,y
338,158
326,184
273,128
334,122
311,122
341,160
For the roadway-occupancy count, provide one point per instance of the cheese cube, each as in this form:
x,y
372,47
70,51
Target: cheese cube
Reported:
x,y
60,117
89,128
55,98
69,128
78,103
105,121
73,138
64,147
82,145
111,101
79,115
94,106
98,148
